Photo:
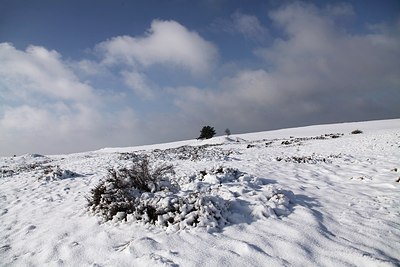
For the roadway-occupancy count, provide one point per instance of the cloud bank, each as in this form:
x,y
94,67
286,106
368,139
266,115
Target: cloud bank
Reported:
x,y
317,72
38,70
46,108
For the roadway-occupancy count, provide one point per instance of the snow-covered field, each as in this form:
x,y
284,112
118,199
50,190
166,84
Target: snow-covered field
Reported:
x,y
296,197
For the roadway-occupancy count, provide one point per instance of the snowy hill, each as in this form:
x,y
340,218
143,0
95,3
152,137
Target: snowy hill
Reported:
x,y
309,196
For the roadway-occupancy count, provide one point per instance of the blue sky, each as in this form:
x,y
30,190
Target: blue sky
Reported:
x,y
81,75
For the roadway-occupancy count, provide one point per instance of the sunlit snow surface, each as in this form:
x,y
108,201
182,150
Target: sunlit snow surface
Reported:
x,y
304,200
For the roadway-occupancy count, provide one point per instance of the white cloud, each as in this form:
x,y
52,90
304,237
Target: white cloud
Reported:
x,y
29,129
25,118
166,42
319,56
317,73
245,101
88,67
39,71
340,9
252,86
249,26
45,108
139,83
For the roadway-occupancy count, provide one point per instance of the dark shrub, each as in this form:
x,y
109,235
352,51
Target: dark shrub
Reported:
x,y
207,132
119,191
142,194
141,177
357,132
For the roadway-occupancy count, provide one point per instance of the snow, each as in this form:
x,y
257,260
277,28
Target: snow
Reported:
x,y
288,197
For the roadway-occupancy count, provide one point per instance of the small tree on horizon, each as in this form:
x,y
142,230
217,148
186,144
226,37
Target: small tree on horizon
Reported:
x,y
227,132
207,132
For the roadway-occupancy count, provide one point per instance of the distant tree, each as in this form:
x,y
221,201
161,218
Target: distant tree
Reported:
x,y
227,132
207,132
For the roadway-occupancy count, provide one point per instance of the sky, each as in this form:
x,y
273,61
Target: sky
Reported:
x,y
82,75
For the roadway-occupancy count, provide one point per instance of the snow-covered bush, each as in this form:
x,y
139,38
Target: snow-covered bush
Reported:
x,y
220,175
53,173
121,188
357,132
180,211
313,159
6,172
130,156
109,199
244,192
39,168
141,176
140,193
208,199
192,153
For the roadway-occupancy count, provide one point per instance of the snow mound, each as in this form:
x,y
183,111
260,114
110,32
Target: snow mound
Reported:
x,y
207,200
51,173
33,156
121,197
36,166
178,212
24,164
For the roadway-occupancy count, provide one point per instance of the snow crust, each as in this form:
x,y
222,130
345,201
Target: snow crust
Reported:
x,y
292,197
